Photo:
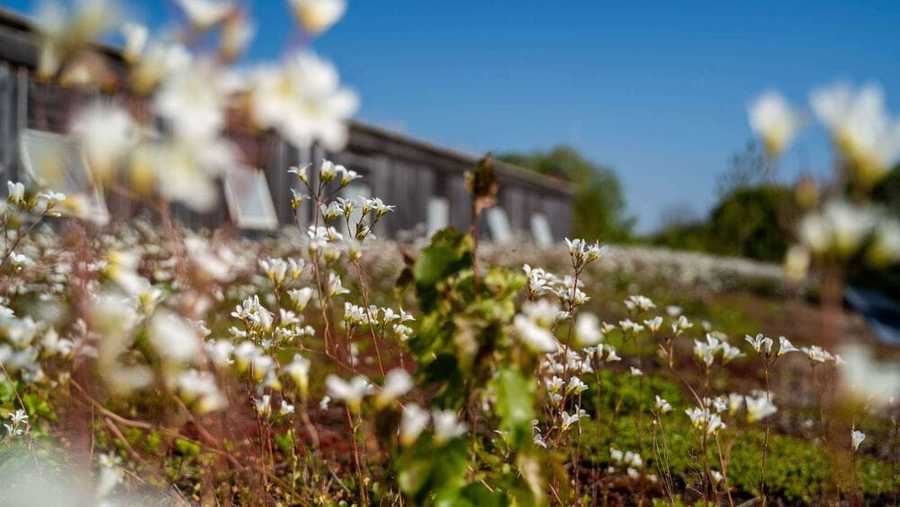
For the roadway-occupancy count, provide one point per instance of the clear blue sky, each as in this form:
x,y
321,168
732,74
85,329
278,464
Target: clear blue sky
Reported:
x,y
657,90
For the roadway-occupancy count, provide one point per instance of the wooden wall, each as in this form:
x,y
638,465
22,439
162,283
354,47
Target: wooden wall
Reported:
x,y
399,169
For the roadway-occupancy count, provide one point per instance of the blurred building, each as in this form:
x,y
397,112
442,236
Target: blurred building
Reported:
x,y
425,181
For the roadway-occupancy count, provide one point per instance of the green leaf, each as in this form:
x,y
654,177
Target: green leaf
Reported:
x,y
450,251
515,404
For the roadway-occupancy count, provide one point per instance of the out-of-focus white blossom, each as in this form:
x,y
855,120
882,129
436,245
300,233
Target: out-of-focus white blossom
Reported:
x,y
304,101
856,438
412,423
351,392
107,133
446,425
206,13
774,121
867,137
397,382
318,15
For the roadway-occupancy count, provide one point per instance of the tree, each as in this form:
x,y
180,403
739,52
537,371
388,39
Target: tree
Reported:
x,y
599,207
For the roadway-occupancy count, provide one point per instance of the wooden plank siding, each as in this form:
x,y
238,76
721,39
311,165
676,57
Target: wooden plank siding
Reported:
x,y
399,169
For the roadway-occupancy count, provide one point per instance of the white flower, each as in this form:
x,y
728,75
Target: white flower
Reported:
x,y
681,324
616,454
663,405
323,403
220,352
706,351
704,420
351,392
856,438
319,15
237,32
200,390
541,312
785,346
446,425
628,326
135,36
885,249
817,354
773,119
871,380
206,13
849,224
759,408
194,102
534,336
583,253
173,337
729,352
397,382
263,405
303,100
412,423
654,324
106,133
298,369
16,193
18,417
157,62
569,419
761,343
576,386
716,476
636,372
286,408
861,128
639,303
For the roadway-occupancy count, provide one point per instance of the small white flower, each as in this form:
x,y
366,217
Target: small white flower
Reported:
x,y
856,438
319,15
173,337
636,372
785,346
817,354
397,382
867,137
286,408
773,119
654,324
298,369
351,392
16,193
663,405
759,408
446,425
760,343
534,336
263,405
412,423
135,39
206,13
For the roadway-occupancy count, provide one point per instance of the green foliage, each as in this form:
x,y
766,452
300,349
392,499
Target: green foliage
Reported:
x,y
464,350
599,207
515,403
746,222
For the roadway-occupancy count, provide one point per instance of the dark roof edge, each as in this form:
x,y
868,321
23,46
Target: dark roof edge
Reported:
x,y
503,168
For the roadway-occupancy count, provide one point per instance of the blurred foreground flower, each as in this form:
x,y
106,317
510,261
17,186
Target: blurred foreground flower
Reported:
x,y
868,139
773,119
